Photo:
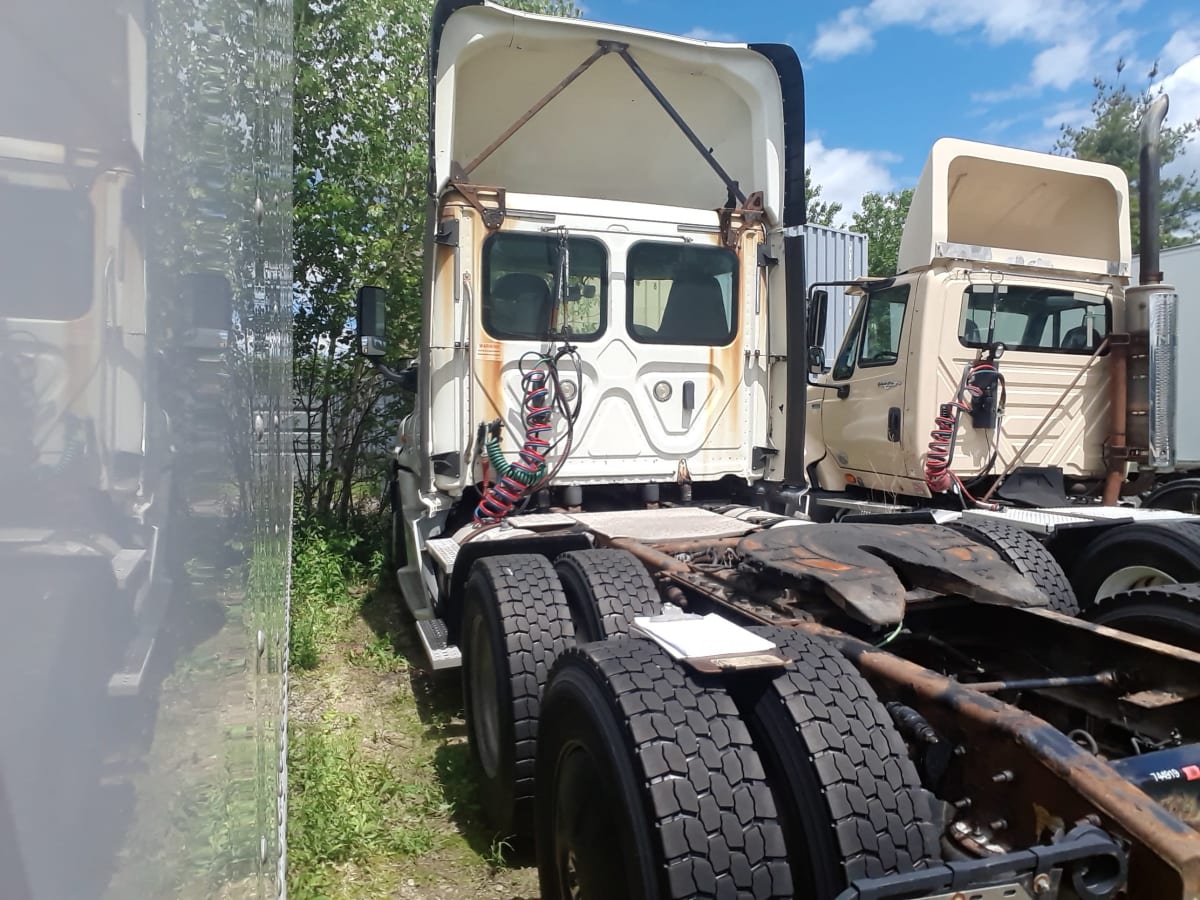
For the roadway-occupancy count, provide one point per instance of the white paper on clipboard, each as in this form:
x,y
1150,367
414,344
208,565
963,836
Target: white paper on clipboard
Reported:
x,y
686,636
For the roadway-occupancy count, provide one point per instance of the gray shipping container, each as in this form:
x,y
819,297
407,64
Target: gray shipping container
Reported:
x,y
834,254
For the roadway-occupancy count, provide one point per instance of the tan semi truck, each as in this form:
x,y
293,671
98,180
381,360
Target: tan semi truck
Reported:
x,y
673,687
1010,373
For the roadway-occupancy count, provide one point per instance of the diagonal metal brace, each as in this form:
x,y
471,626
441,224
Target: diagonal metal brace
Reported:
x,y
604,49
622,50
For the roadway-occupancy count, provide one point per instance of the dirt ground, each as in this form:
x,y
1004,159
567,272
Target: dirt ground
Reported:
x,y
403,716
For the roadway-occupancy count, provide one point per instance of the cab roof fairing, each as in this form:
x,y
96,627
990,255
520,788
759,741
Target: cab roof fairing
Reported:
x,y
734,96
1017,207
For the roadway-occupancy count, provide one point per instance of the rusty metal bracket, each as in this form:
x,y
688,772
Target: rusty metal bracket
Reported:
x,y
734,221
492,216
1122,454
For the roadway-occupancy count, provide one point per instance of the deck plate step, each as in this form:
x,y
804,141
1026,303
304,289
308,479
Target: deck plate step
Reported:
x,y
436,641
444,552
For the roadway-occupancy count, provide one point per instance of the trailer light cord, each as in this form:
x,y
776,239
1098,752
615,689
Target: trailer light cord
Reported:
x,y
543,397
938,475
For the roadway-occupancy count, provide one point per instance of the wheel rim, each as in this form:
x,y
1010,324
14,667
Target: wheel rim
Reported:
x,y
485,705
587,847
1131,578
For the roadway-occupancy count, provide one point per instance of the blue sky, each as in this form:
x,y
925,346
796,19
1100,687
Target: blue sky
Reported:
x,y
886,78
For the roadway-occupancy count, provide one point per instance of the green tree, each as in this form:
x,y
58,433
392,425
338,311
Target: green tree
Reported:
x,y
882,221
1112,137
359,169
820,212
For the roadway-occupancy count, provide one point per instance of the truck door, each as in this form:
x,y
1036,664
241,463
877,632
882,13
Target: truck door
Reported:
x,y
862,413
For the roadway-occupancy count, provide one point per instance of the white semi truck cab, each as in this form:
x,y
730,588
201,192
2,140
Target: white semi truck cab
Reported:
x,y
1012,373
609,265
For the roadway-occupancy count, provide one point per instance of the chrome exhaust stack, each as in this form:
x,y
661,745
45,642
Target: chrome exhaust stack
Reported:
x,y
1151,310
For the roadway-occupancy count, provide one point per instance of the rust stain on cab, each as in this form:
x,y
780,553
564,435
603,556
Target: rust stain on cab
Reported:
x,y
720,417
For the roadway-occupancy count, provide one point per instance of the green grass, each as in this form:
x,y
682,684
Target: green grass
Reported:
x,y
382,798
378,655
324,571
216,815
350,804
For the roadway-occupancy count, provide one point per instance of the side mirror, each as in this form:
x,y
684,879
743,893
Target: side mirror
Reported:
x,y
816,360
372,334
408,377
818,310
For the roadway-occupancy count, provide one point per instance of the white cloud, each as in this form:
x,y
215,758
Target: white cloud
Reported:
x,y
1182,46
1003,95
1069,33
1062,65
1041,21
1068,114
1121,42
699,33
1038,21
1183,87
845,35
845,174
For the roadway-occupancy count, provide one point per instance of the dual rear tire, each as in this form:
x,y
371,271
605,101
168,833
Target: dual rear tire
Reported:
x,y
655,782
659,784
1028,556
516,622
520,613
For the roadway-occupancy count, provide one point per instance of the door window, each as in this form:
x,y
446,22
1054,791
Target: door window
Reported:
x,y
873,337
884,322
843,366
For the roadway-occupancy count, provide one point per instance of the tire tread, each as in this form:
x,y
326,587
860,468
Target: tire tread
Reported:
x,y
1118,546
1029,557
881,816
537,627
712,811
620,586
